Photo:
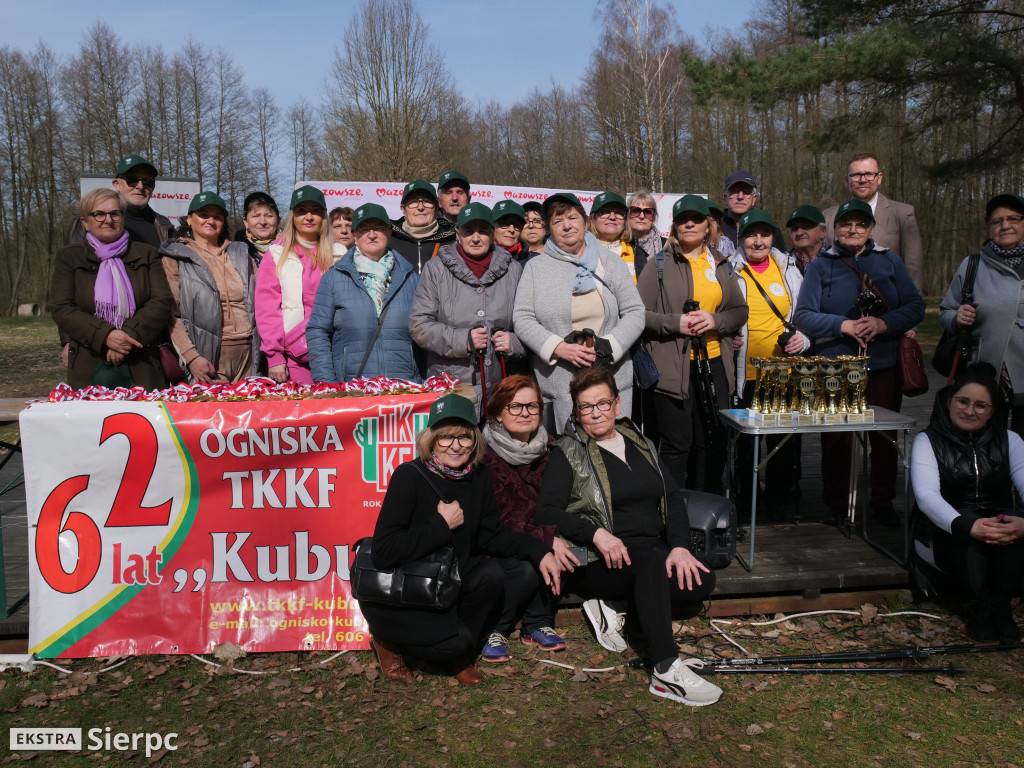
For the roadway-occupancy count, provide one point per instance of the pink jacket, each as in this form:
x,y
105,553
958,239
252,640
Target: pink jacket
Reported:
x,y
283,304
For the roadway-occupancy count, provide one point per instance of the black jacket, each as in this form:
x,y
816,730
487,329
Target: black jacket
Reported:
x,y
419,252
974,467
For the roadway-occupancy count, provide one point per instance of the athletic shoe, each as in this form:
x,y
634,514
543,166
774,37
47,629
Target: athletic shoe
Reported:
x,y
607,624
546,638
495,649
680,683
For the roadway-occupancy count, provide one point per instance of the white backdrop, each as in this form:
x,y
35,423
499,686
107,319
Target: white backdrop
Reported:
x,y
389,194
170,197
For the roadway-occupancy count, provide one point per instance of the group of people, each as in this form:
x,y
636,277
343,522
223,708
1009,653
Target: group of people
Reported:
x,y
542,308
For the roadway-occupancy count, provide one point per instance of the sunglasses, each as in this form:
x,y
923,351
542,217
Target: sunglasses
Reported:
x,y
640,213
134,181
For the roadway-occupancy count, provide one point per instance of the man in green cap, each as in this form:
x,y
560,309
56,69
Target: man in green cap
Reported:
x,y
134,181
806,227
452,195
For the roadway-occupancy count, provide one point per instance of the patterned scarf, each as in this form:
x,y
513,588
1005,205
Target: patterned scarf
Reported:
x,y
259,245
376,276
512,451
115,299
448,473
651,243
1013,256
586,262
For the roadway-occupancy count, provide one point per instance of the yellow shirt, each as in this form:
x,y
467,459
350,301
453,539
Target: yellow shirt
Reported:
x,y
763,325
708,292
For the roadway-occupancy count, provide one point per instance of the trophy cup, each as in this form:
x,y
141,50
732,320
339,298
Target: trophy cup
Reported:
x,y
833,386
768,413
807,368
755,404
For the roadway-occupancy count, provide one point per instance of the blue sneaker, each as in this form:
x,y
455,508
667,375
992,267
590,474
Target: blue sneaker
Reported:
x,y
545,638
495,649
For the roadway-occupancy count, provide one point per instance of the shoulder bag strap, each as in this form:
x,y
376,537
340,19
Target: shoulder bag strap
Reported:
x,y
373,340
430,481
967,291
767,298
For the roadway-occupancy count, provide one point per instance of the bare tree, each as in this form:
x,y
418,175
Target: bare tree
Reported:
x,y
389,96
267,126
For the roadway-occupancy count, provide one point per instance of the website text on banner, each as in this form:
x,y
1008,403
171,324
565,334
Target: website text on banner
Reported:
x,y
173,527
389,194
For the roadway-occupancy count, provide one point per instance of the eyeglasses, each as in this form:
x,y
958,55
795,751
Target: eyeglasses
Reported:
x,y
134,181
741,191
514,224
696,218
1011,220
860,226
603,406
863,176
532,409
606,214
535,222
964,403
420,202
104,215
639,213
466,440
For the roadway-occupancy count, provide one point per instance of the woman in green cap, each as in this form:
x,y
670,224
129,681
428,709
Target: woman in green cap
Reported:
x,y
609,223
462,311
287,281
446,498
214,284
690,272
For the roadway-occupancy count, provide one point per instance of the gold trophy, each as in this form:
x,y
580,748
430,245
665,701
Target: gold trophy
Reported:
x,y
755,404
808,369
833,386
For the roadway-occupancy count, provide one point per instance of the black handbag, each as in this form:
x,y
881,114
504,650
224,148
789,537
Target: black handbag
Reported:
x,y
945,358
432,582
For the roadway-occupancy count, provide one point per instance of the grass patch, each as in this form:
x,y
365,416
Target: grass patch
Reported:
x,y
30,349
527,713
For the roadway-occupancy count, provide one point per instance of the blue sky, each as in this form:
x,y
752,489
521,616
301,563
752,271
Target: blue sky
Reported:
x,y
494,50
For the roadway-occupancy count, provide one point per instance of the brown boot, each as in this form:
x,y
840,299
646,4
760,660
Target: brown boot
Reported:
x,y
392,665
468,674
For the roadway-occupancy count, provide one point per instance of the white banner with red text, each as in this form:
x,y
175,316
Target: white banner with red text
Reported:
x,y
175,527
389,194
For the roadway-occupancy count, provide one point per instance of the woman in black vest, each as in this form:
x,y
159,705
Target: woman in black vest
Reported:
x,y
964,468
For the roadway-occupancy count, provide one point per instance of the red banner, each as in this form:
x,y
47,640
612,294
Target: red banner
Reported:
x,y
173,527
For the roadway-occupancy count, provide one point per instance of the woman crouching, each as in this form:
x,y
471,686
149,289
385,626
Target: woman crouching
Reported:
x,y
605,488
442,498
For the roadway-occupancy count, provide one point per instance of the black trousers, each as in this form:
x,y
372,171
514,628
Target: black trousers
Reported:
x,y
647,588
695,457
526,595
981,570
479,603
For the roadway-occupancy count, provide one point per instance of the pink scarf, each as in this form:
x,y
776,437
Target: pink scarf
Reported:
x,y
115,299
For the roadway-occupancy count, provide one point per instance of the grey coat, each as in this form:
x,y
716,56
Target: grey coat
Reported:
x,y
996,332
200,305
543,317
450,300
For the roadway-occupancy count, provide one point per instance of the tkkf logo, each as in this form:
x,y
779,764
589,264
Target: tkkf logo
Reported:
x,y
386,440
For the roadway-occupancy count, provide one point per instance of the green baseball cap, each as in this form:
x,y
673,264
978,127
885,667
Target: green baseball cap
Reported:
x,y
451,177
368,211
559,197
853,205
605,199
474,212
508,208
452,406
204,199
755,216
308,193
1008,200
419,185
127,163
691,204
716,212
807,213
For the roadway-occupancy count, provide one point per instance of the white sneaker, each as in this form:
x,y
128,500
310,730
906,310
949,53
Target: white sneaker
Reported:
x,y
680,683
607,624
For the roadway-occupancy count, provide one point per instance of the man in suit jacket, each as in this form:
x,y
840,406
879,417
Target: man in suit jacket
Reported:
x,y
896,225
